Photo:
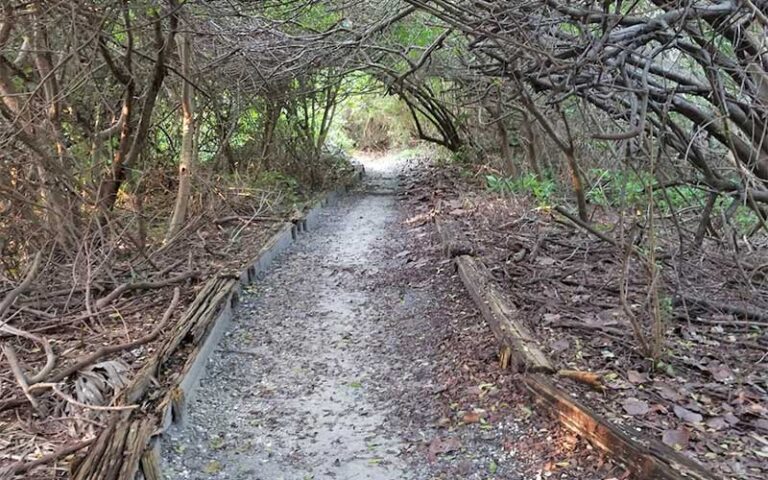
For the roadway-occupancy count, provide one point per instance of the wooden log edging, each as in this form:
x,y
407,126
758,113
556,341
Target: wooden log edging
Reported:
x,y
647,458
501,316
453,239
311,218
131,441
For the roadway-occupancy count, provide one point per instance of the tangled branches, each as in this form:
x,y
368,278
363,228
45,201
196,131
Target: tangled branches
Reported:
x,y
694,74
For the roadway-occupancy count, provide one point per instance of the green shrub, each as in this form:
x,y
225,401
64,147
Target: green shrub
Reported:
x,y
274,180
613,188
541,190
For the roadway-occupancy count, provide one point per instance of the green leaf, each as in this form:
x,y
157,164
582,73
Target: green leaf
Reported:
x,y
213,467
217,443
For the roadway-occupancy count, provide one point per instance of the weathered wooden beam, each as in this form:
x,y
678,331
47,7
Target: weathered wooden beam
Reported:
x,y
150,462
502,316
276,244
453,239
136,442
105,455
648,459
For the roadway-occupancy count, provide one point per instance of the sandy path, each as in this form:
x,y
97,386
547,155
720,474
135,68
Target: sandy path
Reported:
x,y
361,356
304,383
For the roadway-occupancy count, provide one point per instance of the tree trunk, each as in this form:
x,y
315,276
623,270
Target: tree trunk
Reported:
x,y
110,186
138,207
43,138
510,169
568,149
188,144
226,124
225,157
530,146
578,185
271,118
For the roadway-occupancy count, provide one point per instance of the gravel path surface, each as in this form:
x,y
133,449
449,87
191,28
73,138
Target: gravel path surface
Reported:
x,y
340,362
297,388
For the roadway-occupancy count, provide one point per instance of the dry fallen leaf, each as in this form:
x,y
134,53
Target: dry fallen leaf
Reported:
x,y
442,445
720,372
636,377
686,415
546,261
761,424
668,393
677,439
590,378
560,345
471,417
633,406
717,423
731,418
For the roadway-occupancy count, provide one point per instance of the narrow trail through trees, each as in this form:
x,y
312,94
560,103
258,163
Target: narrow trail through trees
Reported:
x,y
361,356
609,163
307,382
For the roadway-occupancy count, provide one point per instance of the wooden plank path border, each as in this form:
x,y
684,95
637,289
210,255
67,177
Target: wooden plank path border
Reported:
x,y
130,443
647,458
501,316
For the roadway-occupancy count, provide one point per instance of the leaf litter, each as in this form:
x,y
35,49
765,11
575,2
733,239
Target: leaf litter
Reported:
x,y
708,396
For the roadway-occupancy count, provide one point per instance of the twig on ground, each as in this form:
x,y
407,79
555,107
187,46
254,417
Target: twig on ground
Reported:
x,y
126,287
243,218
55,389
586,226
22,467
168,268
50,357
18,373
762,318
23,286
102,352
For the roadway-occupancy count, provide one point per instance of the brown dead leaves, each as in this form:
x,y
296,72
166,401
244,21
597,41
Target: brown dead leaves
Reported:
x,y
635,407
441,445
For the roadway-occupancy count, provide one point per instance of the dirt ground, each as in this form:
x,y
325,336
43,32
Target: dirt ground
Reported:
x,y
360,356
706,396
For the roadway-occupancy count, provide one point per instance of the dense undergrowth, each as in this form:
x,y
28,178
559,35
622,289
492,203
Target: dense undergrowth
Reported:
x,y
676,359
